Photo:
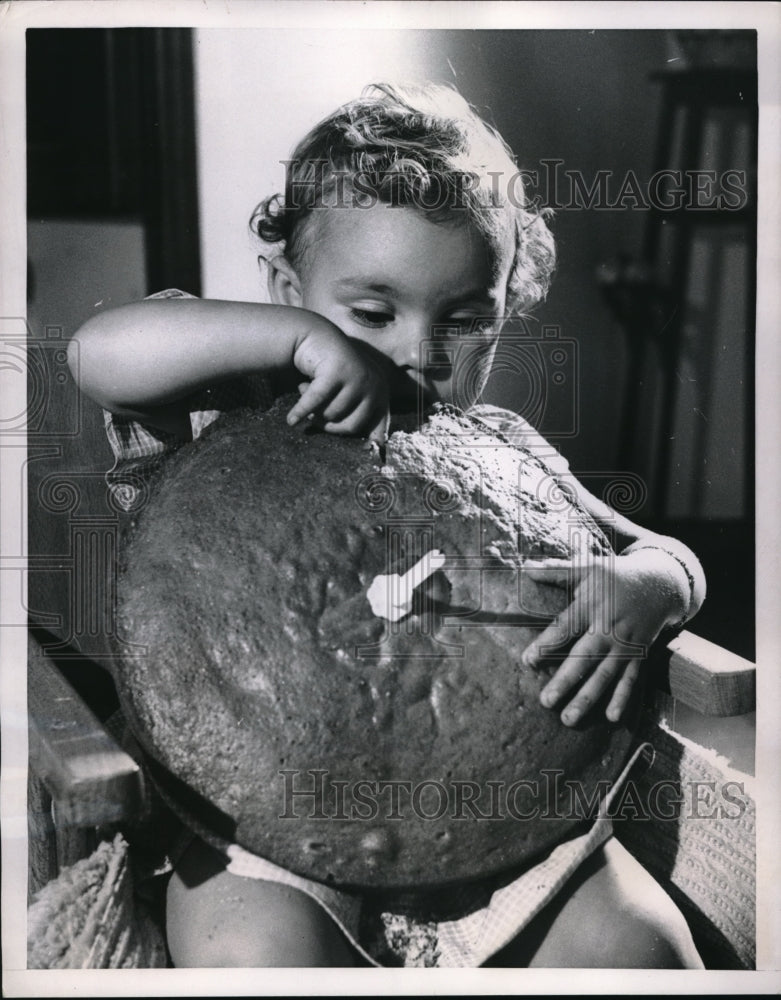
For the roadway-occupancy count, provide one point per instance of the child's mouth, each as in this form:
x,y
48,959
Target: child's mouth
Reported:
x,y
412,392
420,386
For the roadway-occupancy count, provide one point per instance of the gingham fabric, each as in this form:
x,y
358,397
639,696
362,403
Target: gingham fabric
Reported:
x,y
485,920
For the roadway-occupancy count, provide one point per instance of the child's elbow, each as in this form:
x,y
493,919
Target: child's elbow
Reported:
x,y
89,365
74,359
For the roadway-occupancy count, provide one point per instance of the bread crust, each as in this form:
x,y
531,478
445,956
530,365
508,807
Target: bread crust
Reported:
x,y
327,739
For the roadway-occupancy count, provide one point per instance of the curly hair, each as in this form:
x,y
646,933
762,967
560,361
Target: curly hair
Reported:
x,y
422,147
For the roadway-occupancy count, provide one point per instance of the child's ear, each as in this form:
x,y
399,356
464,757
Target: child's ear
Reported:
x,y
284,288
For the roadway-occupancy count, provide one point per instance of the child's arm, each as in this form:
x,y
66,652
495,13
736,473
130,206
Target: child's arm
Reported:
x,y
143,360
620,605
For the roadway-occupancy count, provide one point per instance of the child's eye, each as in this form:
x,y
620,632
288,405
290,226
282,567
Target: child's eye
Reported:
x,y
484,327
474,326
373,318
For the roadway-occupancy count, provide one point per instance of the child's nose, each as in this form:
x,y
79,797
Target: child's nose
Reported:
x,y
410,348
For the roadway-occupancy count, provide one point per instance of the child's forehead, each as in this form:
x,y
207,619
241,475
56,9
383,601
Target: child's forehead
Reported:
x,y
400,235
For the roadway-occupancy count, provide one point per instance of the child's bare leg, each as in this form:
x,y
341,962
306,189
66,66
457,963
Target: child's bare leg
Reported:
x,y
215,919
614,916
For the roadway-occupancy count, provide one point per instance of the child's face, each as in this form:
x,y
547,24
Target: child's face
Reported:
x,y
423,294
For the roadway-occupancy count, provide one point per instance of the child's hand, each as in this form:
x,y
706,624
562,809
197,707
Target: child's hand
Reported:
x,y
348,389
619,606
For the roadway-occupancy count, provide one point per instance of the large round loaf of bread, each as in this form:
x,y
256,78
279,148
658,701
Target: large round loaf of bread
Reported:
x,y
311,731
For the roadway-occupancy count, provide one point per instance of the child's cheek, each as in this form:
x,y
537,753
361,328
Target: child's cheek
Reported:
x,y
470,374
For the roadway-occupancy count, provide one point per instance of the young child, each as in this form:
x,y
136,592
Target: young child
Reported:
x,y
398,230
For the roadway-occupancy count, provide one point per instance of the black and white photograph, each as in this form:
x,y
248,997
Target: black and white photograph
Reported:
x,y
388,428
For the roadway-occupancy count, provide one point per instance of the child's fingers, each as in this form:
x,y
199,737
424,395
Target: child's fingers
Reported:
x,y
315,396
578,664
623,692
353,419
344,405
556,572
552,638
565,628
593,689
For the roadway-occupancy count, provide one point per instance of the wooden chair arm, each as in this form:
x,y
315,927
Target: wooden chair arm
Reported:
x,y
705,676
91,780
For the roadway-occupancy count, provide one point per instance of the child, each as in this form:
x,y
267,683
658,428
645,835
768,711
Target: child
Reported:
x,y
394,235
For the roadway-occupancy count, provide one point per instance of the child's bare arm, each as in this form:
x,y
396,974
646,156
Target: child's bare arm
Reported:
x,y
620,606
143,360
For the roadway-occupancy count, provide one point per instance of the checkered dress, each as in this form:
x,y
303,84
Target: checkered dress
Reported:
x,y
459,926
